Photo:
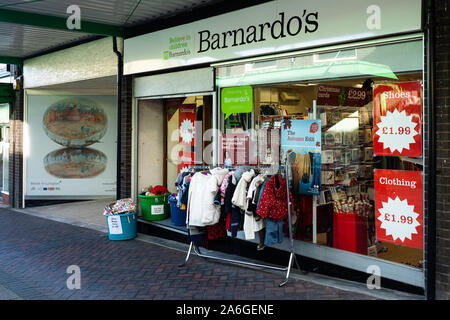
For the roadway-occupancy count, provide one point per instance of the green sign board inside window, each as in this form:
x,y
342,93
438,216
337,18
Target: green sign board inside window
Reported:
x,y
237,100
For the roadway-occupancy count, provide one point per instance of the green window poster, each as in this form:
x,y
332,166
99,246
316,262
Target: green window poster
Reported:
x,y
237,100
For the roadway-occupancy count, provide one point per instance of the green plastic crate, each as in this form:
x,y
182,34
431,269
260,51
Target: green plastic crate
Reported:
x,y
154,207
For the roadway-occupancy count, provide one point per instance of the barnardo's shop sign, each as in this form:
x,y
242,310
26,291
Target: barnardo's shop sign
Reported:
x,y
273,27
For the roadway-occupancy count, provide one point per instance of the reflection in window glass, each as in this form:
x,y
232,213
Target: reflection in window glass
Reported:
x,y
345,207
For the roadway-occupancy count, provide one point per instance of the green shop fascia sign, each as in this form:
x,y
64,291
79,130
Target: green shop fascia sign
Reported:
x,y
237,100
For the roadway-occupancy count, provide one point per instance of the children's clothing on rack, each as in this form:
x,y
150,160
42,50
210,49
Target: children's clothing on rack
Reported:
x,y
201,210
223,186
233,214
223,200
240,211
252,222
273,202
274,232
182,183
240,194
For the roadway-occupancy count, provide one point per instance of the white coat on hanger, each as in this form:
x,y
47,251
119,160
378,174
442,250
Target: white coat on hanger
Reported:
x,y
202,190
240,194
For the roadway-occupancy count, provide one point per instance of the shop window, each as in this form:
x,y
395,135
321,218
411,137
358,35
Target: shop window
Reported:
x,y
336,88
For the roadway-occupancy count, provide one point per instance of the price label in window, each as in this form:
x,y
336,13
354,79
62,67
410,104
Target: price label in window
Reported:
x,y
187,119
341,96
397,119
398,207
185,160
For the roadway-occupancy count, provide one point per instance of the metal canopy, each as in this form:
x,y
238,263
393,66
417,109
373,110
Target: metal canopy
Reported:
x,y
33,27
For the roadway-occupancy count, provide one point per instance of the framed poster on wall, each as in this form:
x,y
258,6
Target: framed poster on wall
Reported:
x,y
70,146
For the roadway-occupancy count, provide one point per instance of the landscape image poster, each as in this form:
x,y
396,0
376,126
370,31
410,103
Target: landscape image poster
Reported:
x,y
71,149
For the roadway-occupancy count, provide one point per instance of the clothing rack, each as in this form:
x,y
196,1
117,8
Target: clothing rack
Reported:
x,y
292,258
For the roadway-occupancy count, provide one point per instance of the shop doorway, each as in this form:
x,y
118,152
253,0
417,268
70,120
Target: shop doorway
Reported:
x,y
173,134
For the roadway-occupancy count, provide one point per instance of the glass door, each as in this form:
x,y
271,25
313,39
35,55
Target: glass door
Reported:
x,y
4,158
187,124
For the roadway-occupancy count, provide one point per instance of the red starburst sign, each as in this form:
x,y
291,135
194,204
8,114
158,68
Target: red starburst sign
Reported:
x,y
397,117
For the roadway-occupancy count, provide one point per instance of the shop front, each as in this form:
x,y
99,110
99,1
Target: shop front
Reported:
x,y
333,105
342,197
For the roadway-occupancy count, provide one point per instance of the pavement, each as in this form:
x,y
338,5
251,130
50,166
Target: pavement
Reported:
x,y
36,251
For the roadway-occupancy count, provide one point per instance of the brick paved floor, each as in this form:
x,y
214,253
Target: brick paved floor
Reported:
x,y
35,253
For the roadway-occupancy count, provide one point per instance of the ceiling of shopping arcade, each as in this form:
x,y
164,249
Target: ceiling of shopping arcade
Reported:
x,y
29,28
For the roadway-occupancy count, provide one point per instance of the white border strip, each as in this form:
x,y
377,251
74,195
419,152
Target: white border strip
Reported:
x,y
391,40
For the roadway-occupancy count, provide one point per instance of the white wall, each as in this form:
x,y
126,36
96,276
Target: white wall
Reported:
x,y
90,60
181,82
172,142
150,143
